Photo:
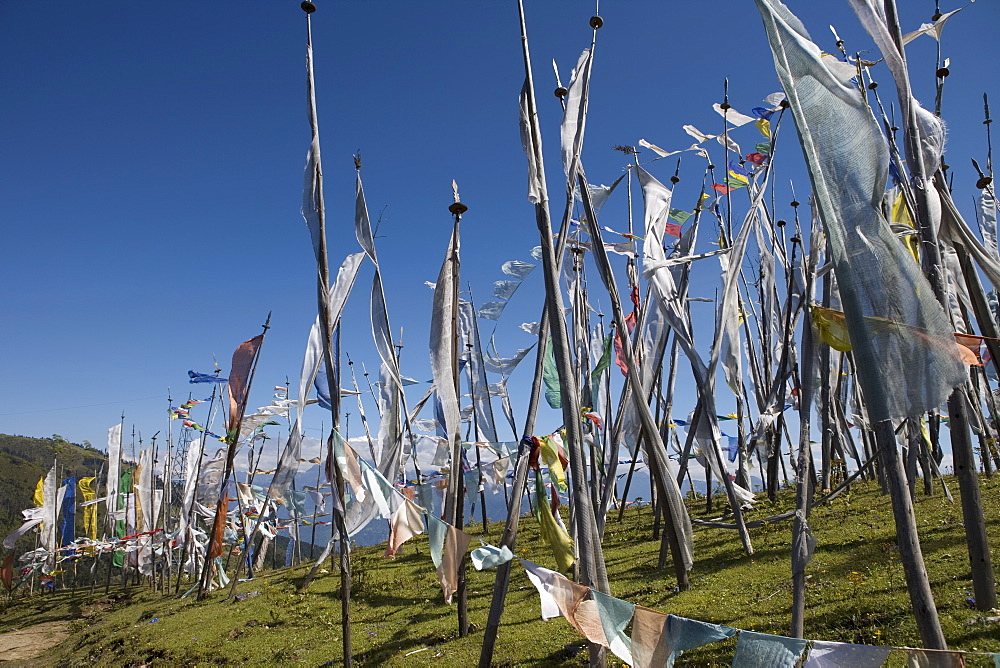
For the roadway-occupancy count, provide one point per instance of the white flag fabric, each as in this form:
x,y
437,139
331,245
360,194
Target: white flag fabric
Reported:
x,y
575,115
906,354
114,460
825,654
31,517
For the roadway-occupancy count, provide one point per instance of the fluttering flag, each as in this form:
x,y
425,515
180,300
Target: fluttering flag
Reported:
x,y
768,651
491,310
832,327
679,216
406,522
549,451
239,379
550,378
7,572
721,188
672,229
900,215
552,533
630,321
970,347
489,556
89,511
902,370
517,269
732,116
455,546
559,596
932,29
437,531
658,639
735,182
196,377
615,615
825,654
67,529
664,154
935,658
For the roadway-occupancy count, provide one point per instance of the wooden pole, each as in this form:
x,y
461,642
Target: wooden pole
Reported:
x,y
804,478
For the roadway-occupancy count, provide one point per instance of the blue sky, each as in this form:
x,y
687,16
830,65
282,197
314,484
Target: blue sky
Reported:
x,y
152,155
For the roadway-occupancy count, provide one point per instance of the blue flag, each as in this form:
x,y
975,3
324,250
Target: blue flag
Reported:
x,y
68,527
196,377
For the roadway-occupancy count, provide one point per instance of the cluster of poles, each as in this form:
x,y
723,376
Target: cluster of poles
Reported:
x,y
840,334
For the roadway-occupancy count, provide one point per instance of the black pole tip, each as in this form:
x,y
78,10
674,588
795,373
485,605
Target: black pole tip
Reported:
x,y
794,204
308,7
781,223
784,103
458,208
561,92
983,182
943,72
596,22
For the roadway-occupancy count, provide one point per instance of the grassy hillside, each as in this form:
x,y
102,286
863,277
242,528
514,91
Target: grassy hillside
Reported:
x,y
856,594
24,460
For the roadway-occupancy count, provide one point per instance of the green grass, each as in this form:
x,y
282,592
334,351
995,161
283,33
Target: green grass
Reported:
x,y
856,593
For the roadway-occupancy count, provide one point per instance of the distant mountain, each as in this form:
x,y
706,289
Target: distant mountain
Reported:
x,y
23,460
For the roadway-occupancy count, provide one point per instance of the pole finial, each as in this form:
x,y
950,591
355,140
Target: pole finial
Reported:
x,y
457,207
308,7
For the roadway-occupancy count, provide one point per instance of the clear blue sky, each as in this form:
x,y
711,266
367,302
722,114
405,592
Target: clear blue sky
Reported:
x,y
152,155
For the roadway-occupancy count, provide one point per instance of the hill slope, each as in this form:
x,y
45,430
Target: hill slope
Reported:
x,y
23,460
856,594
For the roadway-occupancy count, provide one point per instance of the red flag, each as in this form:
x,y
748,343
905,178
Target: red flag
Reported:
x,y
757,158
634,296
721,188
7,572
239,378
619,357
672,229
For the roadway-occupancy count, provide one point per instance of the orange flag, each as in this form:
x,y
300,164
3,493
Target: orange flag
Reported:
x,y
218,529
239,378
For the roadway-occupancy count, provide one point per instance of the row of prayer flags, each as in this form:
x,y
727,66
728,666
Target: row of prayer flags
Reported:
x,y
657,639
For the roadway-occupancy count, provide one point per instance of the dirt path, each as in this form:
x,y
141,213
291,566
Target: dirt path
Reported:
x,y
32,642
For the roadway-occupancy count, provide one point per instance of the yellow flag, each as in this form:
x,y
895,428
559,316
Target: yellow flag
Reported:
x,y
86,486
900,214
39,494
552,534
549,451
832,328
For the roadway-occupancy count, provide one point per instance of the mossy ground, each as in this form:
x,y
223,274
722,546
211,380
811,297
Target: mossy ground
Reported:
x,y
856,593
